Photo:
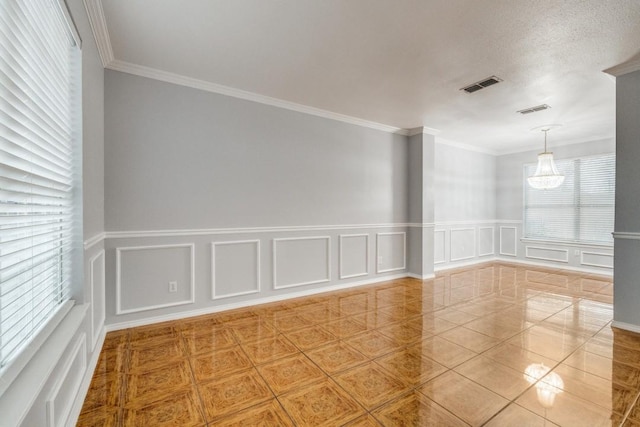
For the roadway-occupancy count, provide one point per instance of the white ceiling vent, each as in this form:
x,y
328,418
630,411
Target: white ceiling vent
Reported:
x,y
489,81
534,109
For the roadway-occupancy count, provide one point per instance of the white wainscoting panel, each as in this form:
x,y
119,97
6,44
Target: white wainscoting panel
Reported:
x,y
235,268
391,251
486,242
462,244
97,292
300,261
354,255
60,401
508,241
547,254
143,274
439,246
596,259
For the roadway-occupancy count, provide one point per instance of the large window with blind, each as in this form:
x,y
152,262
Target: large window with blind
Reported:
x,y
581,210
39,143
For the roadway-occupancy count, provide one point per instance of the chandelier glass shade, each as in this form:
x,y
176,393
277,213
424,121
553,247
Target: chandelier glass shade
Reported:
x,y
547,175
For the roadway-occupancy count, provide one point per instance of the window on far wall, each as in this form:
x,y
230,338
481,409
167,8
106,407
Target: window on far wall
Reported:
x,y
580,210
39,159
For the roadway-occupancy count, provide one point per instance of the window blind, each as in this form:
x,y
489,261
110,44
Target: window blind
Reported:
x,y
38,70
580,210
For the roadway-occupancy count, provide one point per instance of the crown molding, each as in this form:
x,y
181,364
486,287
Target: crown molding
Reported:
x,y
181,80
98,23
422,130
624,68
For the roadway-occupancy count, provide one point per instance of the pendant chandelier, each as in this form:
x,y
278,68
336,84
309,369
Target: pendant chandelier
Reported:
x,y
546,175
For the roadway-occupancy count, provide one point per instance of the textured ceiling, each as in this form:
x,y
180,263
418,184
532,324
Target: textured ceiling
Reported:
x,y
400,62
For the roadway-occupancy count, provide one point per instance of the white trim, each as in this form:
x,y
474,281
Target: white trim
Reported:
x,y
98,23
70,24
119,250
423,277
420,225
476,261
249,303
83,388
515,241
451,259
624,68
165,76
627,235
592,264
342,236
404,251
566,253
493,241
626,326
15,406
422,130
509,221
79,349
312,282
94,240
444,248
213,268
591,271
567,243
94,333
213,231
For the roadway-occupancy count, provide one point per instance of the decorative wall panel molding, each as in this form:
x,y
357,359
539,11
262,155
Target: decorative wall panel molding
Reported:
x,y
439,246
97,292
235,268
486,241
354,255
60,401
462,244
596,259
391,251
508,241
300,261
144,277
547,254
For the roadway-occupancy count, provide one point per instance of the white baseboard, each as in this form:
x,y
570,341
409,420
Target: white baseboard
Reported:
x,y
86,381
626,326
606,274
248,303
423,277
454,265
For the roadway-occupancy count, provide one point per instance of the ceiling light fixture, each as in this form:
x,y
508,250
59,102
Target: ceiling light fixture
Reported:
x,y
546,175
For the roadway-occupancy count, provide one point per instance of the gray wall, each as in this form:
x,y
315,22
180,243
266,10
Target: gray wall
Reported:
x,y
627,245
464,184
180,158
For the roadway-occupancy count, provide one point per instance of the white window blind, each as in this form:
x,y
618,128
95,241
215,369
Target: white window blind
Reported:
x,y
38,117
580,210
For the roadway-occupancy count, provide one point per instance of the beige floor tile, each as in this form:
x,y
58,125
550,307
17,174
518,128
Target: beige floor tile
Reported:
x,y
270,349
219,364
292,322
344,328
495,376
402,333
516,416
253,331
321,404
564,408
206,341
230,394
444,352
587,386
309,338
373,344
269,414
180,408
145,357
336,357
370,385
364,421
592,363
469,401
151,385
290,373
472,340
416,409
102,417
548,342
411,366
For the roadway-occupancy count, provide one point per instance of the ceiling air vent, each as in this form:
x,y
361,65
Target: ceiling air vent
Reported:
x,y
489,81
534,109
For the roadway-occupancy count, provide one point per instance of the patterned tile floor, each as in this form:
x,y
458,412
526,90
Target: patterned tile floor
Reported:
x,y
494,345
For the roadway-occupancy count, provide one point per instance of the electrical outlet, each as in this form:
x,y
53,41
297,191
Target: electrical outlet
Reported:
x,y
173,286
